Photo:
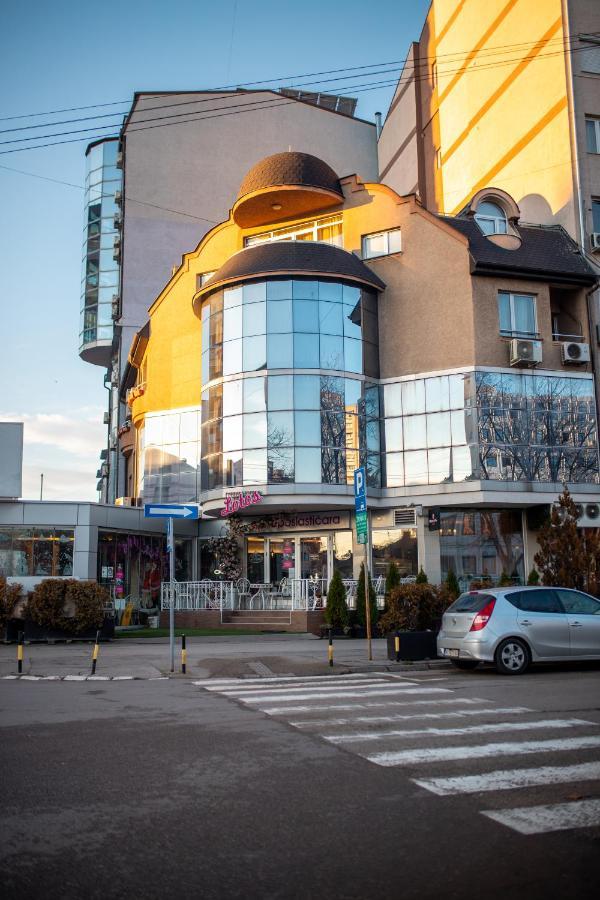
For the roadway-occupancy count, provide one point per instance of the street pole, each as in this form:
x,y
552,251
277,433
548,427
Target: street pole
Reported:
x,y
42,486
368,600
171,552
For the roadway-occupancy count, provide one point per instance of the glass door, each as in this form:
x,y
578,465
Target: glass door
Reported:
x,y
282,559
313,557
255,548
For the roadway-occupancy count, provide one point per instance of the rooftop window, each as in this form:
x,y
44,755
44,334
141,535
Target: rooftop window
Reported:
x,y
491,218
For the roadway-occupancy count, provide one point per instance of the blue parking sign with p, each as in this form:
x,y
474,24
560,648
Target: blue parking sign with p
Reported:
x,y
360,489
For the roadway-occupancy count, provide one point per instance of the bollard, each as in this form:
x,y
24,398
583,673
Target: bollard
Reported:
x,y
330,648
397,646
20,640
95,653
183,654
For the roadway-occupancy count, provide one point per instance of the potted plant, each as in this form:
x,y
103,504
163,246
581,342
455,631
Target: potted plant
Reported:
x,y
414,613
336,610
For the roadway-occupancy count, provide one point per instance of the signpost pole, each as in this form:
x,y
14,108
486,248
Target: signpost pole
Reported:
x,y
170,549
362,536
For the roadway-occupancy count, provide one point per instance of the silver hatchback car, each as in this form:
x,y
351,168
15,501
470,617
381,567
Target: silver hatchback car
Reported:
x,y
513,627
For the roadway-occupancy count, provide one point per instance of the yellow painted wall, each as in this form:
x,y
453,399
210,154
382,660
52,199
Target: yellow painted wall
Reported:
x,y
499,111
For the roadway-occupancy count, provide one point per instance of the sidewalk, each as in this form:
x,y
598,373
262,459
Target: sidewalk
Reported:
x,y
207,657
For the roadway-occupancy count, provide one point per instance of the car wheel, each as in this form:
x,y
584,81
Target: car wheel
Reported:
x,y
465,663
512,657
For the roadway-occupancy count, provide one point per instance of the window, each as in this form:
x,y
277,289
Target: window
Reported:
x,y
576,603
596,216
539,601
590,58
381,244
202,278
491,218
324,231
517,315
592,135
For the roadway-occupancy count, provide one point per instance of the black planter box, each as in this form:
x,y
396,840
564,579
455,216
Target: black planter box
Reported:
x,y
414,645
34,632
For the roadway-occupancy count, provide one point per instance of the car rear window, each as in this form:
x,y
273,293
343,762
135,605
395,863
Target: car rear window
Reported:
x,y
470,602
538,600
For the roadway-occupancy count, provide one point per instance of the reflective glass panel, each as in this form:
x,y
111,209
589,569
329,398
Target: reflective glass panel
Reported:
x,y
462,468
394,464
308,428
332,392
307,290
232,357
351,317
279,316
352,355
254,318
393,434
307,392
279,350
306,351
232,297
255,430
353,394
438,429
232,469
439,465
333,429
333,466
232,398
255,396
232,433
278,290
188,427
436,394
332,352
330,290
457,427
373,437
280,464
413,397
414,432
255,466
280,429
415,467
306,316
232,323
330,317
308,465
254,351
392,399
281,392
254,291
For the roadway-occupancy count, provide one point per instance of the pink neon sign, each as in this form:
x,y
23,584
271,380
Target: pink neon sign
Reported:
x,y
240,501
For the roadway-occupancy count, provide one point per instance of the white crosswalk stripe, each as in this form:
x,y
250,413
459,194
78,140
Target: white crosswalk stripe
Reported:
x,y
508,779
555,817
356,712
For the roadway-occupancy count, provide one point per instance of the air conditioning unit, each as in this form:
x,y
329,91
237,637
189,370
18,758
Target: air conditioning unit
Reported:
x,y
525,353
595,241
118,197
116,306
106,418
119,160
406,516
574,354
117,221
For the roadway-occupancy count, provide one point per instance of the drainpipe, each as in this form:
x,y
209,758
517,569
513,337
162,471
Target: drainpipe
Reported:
x,y
573,127
378,124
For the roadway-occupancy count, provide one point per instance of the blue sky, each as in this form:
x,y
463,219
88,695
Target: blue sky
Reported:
x,y
68,54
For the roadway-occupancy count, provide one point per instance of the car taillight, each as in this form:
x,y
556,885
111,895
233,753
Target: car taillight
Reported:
x,y
483,616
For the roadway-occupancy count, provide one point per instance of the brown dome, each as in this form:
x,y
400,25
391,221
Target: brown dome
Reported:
x,y
291,168
286,185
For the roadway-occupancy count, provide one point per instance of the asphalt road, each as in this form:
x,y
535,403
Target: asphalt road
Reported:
x,y
352,787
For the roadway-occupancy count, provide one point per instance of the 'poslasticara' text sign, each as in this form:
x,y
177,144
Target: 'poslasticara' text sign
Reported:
x,y
233,504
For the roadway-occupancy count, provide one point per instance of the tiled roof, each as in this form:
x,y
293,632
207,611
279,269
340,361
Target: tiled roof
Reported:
x,y
290,168
546,253
295,257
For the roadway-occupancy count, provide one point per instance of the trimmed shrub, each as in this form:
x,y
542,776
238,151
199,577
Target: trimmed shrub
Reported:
x,y
361,615
533,577
65,604
415,607
336,611
481,584
505,580
421,577
9,596
452,584
392,579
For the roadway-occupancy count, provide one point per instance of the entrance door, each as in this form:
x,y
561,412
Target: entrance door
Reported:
x,y
282,559
313,557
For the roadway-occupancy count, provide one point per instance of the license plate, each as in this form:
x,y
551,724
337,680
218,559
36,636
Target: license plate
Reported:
x,y
453,653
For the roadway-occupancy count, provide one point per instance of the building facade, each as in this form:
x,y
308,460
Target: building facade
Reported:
x,y
330,322
153,193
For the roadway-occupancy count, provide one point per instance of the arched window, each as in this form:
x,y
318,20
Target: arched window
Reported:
x,y
491,218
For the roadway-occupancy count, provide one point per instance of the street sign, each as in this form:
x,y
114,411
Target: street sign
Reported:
x,y
360,505
171,511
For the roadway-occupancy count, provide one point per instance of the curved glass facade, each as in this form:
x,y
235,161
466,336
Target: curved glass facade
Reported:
x,y
299,426
100,276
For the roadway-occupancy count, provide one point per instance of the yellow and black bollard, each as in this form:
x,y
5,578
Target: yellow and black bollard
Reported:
x,y
95,653
20,640
397,646
330,648
183,655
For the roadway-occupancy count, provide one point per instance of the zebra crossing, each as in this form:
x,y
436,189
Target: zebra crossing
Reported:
x,y
433,734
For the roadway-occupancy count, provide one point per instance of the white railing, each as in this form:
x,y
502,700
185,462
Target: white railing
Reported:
x,y
196,595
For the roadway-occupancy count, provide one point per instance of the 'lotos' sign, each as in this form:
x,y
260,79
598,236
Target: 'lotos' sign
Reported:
x,y
233,503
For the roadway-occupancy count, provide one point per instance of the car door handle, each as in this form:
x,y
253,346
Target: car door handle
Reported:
x,y
575,624
525,622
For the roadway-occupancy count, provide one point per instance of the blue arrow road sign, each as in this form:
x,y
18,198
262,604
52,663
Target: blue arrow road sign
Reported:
x,y
171,511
